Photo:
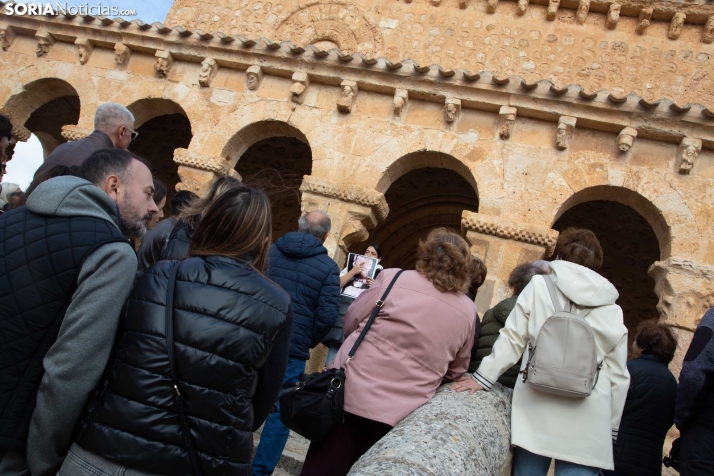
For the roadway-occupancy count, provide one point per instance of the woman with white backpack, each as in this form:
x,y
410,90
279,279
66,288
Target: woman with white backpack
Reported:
x,y
568,401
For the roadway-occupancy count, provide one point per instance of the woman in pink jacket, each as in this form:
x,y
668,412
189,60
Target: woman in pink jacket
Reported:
x,y
422,336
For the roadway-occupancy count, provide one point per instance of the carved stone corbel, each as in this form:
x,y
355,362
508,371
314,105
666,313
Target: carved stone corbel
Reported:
x,y
301,81
7,37
452,109
44,42
522,7
506,121
122,53
491,6
708,31
209,69
564,132
436,3
463,4
613,16
675,26
349,96
164,62
644,21
626,139
72,132
553,6
582,14
254,75
84,49
685,289
688,154
401,100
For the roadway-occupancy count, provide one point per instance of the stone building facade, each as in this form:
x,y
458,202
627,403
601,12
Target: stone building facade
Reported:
x,y
507,120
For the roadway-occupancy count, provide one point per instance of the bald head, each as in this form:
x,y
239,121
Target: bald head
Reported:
x,y
316,223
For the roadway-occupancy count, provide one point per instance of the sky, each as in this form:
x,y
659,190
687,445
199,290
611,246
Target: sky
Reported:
x,y
28,155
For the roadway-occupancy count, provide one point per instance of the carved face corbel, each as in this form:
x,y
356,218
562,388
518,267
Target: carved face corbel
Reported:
x,y
164,62
582,14
452,108
626,139
522,7
553,6
84,49
506,121
301,82
209,68
564,132
644,20
349,92
7,36
121,55
675,26
254,77
613,16
688,153
44,43
708,31
401,99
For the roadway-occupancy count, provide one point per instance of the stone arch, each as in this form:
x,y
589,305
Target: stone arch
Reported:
x,y
255,132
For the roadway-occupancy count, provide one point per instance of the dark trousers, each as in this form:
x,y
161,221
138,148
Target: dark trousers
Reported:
x,y
697,451
335,455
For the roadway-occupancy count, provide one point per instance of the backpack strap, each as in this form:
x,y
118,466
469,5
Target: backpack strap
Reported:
x,y
553,294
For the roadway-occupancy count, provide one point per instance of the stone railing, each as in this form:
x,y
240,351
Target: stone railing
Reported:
x,y
453,434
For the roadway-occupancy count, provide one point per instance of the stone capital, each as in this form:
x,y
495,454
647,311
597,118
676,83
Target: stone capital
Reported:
x,y
72,132
347,193
685,289
200,161
510,230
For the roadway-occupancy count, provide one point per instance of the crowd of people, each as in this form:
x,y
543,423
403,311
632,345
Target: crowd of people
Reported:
x,y
139,346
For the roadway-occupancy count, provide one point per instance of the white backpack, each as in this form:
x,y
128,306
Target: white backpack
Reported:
x,y
563,360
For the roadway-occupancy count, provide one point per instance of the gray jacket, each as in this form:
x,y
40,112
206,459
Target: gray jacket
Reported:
x,y
75,362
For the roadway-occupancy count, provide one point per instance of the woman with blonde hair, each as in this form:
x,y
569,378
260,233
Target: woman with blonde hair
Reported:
x,y
199,359
422,335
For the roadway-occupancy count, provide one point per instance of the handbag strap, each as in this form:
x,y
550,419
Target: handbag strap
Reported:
x,y
371,319
183,421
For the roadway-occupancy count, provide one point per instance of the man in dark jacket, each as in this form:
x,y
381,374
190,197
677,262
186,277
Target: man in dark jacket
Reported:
x,y
66,269
113,128
299,263
694,411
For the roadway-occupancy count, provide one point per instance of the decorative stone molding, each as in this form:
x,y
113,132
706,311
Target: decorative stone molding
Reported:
x,y
122,53
497,226
626,139
301,81
348,193
21,133
401,100
7,37
452,109
506,121
688,153
685,289
72,132
197,160
553,6
209,68
44,42
522,7
613,16
84,49
675,26
254,75
582,13
349,96
708,31
164,62
564,132
644,20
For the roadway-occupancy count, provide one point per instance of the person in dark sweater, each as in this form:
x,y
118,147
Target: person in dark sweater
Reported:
x,y
208,337
649,408
495,318
694,410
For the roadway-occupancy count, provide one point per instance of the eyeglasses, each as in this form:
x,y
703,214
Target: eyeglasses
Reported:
x,y
134,134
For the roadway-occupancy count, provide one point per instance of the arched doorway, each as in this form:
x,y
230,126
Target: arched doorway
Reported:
x,y
629,248
163,127
419,201
274,157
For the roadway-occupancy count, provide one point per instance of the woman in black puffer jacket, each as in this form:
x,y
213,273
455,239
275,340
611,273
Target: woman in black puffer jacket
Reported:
x,y
649,408
227,328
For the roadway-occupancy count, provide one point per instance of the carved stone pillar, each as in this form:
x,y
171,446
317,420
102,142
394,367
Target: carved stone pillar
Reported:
x,y
503,245
197,170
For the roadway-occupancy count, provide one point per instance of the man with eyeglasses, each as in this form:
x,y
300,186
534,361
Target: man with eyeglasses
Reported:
x,y
113,128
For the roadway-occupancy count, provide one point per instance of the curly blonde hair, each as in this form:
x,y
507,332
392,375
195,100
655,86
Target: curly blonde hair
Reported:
x,y
445,260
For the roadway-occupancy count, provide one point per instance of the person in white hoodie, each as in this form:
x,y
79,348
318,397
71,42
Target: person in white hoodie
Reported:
x,y
577,432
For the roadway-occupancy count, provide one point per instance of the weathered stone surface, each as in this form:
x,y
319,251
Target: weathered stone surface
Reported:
x,y
454,433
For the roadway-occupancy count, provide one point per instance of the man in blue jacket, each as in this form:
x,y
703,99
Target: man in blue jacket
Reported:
x,y
299,263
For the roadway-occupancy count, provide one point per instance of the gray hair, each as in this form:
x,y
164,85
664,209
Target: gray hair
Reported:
x,y
110,116
315,223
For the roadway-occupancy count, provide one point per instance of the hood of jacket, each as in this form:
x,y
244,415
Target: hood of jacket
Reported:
x,y
297,244
69,196
582,285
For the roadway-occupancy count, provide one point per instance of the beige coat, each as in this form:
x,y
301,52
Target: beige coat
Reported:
x,y
577,430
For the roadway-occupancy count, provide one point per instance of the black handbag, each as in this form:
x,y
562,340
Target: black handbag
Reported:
x,y
672,459
178,400
313,406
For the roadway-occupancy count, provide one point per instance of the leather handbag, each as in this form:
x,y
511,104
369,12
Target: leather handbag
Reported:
x,y
313,406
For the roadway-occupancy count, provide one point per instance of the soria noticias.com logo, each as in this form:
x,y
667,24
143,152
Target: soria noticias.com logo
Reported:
x,y
57,8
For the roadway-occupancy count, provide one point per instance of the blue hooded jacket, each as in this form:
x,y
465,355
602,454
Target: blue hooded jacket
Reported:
x,y
301,266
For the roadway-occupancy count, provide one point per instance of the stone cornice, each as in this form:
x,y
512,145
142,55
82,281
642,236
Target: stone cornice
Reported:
x,y
197,160
348,193
497,226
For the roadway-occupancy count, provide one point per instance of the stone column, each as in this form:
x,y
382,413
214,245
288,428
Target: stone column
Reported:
x,y
197,170
452,434
503,245
353,210
686,291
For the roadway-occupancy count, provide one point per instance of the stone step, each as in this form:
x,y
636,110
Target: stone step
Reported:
x,y
293,456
